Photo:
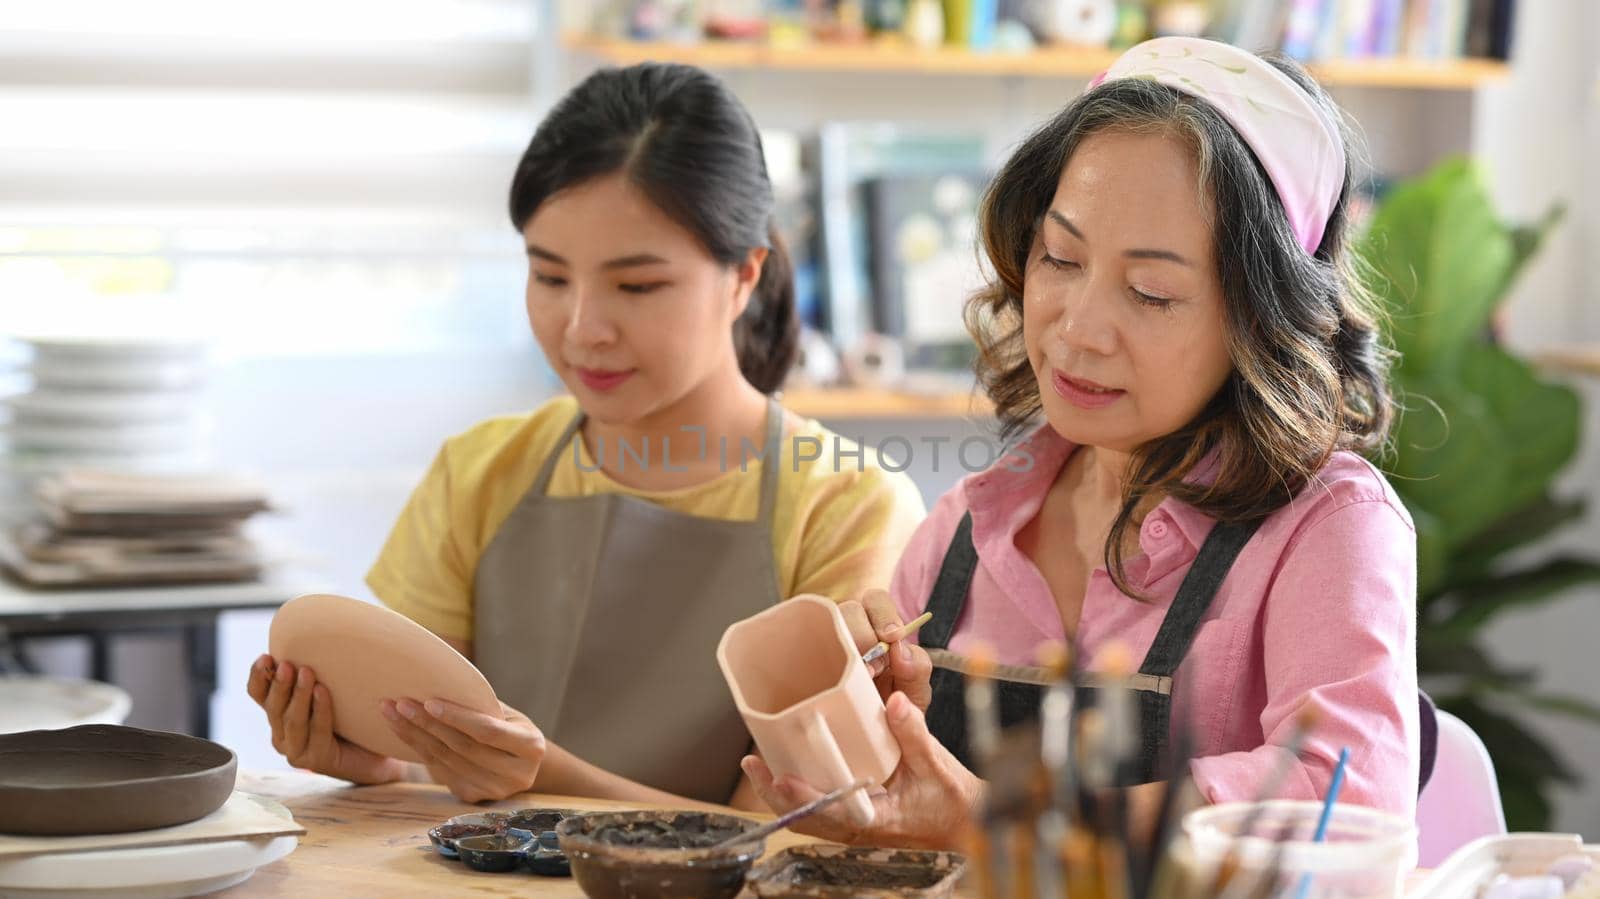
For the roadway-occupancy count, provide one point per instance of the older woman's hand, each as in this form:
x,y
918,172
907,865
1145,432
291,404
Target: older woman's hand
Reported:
x,y
927,802
906,668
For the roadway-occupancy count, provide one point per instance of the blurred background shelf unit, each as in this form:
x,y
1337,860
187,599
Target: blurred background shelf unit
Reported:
x,y
1399,73
879,147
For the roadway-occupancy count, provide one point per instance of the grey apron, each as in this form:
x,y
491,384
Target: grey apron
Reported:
x,y
598,617
1021,689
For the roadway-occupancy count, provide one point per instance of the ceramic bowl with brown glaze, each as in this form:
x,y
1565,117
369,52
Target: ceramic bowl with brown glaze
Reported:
x,y
665,854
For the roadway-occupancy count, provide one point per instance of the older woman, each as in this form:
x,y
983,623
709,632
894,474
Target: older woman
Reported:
x,y
1172,294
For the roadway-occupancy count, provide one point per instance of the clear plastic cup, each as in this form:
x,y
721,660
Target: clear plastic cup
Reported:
x,y
1366,853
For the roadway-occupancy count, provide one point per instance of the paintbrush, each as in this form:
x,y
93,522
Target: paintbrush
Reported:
x,y
1267,882
1121,736
1079,863
1094,775
1160,835
1023,863
793,815
1055,756
983,731
1327,815
881,648
983,715
1304,721
1055,719
1122,727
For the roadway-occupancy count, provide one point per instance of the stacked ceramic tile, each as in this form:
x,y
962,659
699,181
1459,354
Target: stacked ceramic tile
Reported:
x,y
102,528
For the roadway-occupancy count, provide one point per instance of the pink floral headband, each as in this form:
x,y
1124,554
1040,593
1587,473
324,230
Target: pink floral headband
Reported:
x,y
1296,143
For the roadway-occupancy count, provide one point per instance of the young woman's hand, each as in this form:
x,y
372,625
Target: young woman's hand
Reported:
x,y
906,668
300,711
479,757
927,803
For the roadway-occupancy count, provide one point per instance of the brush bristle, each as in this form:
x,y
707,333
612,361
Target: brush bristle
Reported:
x,y
1056,659
980,660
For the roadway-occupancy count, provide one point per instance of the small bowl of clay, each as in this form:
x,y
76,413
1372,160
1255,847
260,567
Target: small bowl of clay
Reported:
x,y
496,853
618,855
838,872
476,824
546,857
445,836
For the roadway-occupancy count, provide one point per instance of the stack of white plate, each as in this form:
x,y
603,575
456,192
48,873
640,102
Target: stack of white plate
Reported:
x,y
109,402
33,702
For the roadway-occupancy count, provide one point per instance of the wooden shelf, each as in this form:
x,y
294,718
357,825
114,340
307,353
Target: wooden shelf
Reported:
x,y
1578,360
853,402
1047,63
1411,74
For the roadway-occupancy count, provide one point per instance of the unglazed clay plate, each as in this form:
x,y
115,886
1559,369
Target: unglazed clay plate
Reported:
x,y
106,778
365,654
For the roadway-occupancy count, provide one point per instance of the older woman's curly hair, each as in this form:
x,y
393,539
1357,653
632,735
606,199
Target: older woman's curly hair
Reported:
x,y
1310,374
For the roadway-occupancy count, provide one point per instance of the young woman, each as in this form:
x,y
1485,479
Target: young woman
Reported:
x,y
588,556
1174,297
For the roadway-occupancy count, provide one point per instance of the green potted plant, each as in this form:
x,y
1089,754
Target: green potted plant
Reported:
x,y
1479,440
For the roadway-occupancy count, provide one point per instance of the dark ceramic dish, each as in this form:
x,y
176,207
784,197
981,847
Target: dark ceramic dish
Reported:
x,y
495,852
106,778
497,819
543,857
546,858
621,855
836,872
444,836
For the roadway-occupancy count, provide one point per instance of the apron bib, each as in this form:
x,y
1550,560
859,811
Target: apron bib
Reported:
x,y
1020,689
598,617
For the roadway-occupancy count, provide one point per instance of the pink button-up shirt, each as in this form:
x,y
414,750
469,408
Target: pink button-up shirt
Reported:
x,y
1318,610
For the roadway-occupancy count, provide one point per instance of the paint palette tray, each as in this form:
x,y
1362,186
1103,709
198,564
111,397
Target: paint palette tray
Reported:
x,y
523,838
1473,867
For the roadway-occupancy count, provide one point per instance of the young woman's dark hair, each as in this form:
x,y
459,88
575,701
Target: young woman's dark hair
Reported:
x,y
682,137
1310,373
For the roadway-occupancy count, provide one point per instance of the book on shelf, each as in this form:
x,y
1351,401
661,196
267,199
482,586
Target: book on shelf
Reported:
x,y
1324,30
849,157
925,261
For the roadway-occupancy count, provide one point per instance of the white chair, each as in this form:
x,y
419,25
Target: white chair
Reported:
x,y
1462,800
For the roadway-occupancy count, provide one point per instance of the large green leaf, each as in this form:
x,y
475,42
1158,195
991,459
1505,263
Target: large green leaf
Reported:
x,y
1560,704
1538,422
1476,448
1526,805
1450,459
1444,654
1471,561
1479,602
1526,241
1443,259
1479,445
1433,555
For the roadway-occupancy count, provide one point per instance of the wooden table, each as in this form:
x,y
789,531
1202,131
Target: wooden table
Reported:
x,y
371,841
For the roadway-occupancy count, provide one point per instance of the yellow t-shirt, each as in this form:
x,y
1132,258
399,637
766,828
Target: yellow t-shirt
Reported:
x,y
838,528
